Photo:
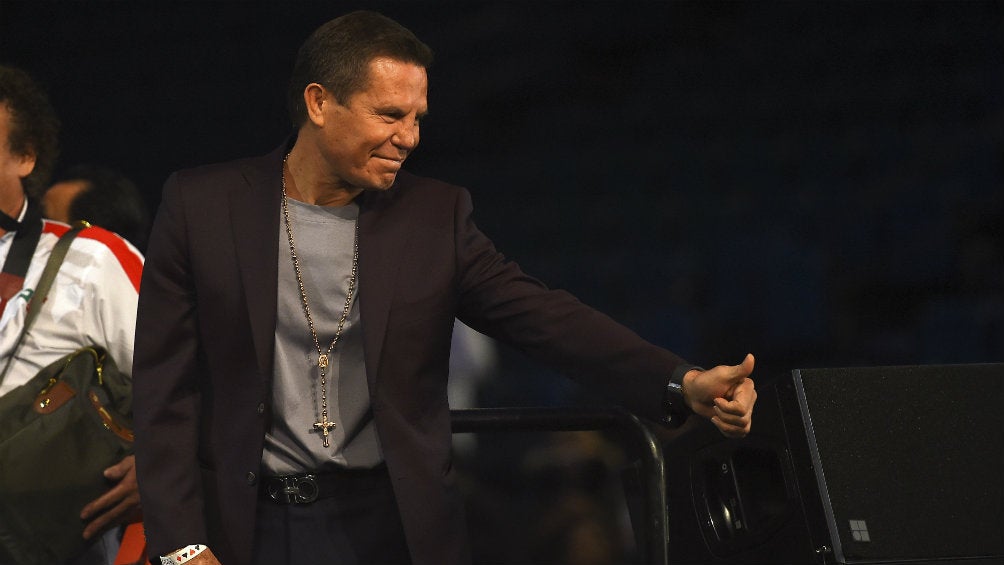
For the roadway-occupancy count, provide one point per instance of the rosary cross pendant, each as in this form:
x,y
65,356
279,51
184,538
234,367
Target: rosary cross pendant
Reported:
x,y
324,426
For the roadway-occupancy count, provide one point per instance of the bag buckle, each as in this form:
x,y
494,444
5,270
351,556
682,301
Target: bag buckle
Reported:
x,y
295,489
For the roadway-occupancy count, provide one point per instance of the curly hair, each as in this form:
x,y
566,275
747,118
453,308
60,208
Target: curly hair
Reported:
x,y
337,56
34,127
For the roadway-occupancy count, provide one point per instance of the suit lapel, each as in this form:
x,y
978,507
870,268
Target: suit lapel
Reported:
x,y
255,213
381,241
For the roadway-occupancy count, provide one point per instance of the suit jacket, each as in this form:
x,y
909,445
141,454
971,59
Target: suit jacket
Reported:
x,y
205,338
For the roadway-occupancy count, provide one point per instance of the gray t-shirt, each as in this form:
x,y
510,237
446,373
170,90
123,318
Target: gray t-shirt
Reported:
x,y
324,238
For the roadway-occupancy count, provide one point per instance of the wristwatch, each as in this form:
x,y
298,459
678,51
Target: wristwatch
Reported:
x,y
676,409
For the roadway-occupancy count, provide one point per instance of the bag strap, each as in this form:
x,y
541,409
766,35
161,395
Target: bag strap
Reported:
x,y
42,288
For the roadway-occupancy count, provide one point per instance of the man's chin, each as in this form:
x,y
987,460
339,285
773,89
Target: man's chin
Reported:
x,y
383,183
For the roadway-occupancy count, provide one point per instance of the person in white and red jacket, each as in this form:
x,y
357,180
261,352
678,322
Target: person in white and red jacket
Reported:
x,y
93,297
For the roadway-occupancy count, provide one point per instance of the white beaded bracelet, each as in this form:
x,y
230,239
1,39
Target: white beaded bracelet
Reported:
x,y
182,555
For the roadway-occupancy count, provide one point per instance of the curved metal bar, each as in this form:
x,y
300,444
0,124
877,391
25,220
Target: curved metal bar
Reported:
x,y
480,420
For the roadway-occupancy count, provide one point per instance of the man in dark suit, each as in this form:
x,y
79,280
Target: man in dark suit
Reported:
x,y
294,331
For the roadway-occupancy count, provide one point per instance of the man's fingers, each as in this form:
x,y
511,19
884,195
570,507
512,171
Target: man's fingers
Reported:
x,y
118,502
124,491
733,417
99,523
736,417
109,518
744,369
730,430
732,376
742,400
728,407
120,469
99,504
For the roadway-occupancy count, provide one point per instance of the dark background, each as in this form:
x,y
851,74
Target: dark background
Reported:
x,y
819,183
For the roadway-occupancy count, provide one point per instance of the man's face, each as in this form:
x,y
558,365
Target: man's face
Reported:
x,y
365,140
13,167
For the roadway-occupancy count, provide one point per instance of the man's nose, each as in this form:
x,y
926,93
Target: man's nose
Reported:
x,y
406,136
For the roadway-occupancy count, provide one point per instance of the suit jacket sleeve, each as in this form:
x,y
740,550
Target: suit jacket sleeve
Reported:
x,y
554,327
166,393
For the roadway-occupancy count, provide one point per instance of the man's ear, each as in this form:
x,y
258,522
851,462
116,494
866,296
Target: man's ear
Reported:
x,y
315,97
26,163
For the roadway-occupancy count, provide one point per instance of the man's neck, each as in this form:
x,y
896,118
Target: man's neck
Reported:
x,y
11,204
306,181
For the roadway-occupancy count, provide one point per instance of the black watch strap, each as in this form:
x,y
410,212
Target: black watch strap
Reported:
x,y
677,410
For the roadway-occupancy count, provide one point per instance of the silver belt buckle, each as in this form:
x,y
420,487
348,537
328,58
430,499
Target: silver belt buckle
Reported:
x,y
300,489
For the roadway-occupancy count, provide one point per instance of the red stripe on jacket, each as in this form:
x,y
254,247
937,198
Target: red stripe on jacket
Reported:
x,y
129,261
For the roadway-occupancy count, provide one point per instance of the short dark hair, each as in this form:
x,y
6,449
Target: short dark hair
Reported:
x,y
109,200
34,127
337,56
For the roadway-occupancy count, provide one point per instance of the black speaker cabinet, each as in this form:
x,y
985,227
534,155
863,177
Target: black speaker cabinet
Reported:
x,y
851,465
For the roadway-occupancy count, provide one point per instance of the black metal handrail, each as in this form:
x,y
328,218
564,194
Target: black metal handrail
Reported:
x,y
655,534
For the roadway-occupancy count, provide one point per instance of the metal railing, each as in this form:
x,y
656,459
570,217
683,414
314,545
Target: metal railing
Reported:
x,y
654,534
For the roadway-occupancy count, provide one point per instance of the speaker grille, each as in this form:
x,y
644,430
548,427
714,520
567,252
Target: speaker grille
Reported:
x,y
910,459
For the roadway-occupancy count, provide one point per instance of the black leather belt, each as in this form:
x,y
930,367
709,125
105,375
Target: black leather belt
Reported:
x,y
308,487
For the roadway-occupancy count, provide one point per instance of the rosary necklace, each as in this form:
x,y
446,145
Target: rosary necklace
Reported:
x,y
324,426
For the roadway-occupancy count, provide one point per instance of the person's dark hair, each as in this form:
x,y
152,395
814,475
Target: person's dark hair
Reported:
x,y
109,200
337,56
34,127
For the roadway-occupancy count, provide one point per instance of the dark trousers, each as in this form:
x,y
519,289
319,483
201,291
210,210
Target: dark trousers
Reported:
x,y
355,523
